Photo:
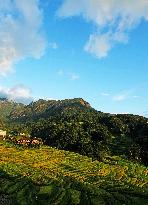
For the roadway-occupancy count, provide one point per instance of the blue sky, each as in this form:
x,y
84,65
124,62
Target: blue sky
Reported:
x,y
97,50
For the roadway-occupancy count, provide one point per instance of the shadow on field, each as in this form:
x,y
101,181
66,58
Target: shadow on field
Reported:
x,y
16,190
22,191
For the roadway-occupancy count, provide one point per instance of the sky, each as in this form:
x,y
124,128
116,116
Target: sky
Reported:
x,y
60,49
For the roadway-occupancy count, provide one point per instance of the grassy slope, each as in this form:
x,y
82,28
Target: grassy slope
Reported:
x,y
51,176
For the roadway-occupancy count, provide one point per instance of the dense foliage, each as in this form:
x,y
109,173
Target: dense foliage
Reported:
x,y
96,136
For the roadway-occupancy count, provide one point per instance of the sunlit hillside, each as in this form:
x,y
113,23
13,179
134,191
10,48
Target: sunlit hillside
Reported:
x,y
47,175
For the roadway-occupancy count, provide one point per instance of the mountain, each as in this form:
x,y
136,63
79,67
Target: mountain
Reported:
x,y
73,125
45,109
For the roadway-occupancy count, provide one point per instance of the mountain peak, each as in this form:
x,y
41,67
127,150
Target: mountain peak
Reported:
x,y
82,102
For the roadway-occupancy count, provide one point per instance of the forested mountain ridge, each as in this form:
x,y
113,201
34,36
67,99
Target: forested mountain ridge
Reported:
x,y
47,108
73,125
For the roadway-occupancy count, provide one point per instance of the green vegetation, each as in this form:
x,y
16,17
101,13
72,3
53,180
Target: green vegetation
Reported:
x,y
75,126
51,176
93,158
6,107
95,134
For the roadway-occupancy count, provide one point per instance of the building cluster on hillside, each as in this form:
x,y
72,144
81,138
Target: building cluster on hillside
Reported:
x,y
3,134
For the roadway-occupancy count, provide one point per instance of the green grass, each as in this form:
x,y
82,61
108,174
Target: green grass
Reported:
x,y
50,176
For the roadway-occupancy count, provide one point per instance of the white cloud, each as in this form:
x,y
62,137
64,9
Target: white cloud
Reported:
x,y
74,76
135,96
44,98
105,94
18,93
70,76
20,32
120,97
124,95
98,45
113,20
60,72
53,45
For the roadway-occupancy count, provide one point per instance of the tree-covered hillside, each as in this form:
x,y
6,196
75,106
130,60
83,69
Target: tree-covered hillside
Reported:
x,y
74,125
44,109
7,107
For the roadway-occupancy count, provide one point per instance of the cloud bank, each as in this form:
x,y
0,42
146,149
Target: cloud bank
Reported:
x,y
121,96
20,32
19,93
114,19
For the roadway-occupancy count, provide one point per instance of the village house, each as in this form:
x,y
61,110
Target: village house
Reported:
x,y
2,134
